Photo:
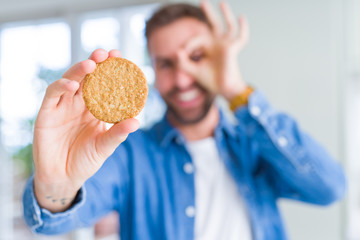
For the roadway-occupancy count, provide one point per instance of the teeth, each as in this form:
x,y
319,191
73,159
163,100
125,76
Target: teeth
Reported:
x,y
189,95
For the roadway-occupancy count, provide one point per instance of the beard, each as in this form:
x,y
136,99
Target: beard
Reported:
x,y
189,116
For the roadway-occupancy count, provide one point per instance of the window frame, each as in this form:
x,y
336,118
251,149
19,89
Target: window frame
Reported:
x,y
73,16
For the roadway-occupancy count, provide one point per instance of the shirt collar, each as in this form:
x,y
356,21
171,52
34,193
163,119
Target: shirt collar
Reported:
x,y
165,133
225,125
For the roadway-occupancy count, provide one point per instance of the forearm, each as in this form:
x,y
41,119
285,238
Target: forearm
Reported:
x,y
299,167
302,169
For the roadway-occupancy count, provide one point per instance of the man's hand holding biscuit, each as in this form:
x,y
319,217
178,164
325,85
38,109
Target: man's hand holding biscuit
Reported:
x,y
70,144
212,59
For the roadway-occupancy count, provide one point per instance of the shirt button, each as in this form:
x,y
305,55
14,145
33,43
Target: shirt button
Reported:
x,y
188,168
34,217
190,211
282,141
245,189
296,196
255,110
178,140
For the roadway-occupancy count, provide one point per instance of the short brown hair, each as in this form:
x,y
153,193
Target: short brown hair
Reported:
x,y
172,12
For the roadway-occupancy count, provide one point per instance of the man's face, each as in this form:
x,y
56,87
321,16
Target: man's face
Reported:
x,y
187,101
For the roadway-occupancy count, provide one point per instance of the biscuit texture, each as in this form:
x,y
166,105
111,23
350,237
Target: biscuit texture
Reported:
x,y
115,91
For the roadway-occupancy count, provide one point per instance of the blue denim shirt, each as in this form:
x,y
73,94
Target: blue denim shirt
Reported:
x,y
266,153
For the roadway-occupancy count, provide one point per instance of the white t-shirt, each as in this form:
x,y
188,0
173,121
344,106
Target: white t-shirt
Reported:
x,y
219,209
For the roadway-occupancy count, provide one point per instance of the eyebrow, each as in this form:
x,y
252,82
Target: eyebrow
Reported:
x,y
163,59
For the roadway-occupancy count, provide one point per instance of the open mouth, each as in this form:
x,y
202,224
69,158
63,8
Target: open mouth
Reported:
x,y
188,95
189,98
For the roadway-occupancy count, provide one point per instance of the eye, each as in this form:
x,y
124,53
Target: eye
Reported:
x,y
197,56
164,64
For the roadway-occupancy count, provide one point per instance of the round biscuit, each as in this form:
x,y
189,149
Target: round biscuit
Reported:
x,y
115,91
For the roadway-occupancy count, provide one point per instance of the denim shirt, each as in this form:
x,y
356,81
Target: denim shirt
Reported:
x,y
265,152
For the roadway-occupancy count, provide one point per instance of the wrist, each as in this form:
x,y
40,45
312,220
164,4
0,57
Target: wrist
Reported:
x,y
234,91
55,197
241,98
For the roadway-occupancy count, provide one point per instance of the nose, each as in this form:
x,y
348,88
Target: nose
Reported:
x,y
183,80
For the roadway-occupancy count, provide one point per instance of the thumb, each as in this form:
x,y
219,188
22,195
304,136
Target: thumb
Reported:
x,y
108,141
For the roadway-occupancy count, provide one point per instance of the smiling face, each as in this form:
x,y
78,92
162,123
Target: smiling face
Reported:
x,y
187,101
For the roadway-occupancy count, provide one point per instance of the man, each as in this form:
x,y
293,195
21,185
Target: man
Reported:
x,y
193,175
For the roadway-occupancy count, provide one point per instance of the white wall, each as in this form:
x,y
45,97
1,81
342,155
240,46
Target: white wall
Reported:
x,y
294,57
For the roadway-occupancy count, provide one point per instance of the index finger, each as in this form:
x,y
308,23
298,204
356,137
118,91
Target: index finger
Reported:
x,y
198,42
78,71
212,17
229,19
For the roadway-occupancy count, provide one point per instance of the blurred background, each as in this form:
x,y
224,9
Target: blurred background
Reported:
x,y
304,55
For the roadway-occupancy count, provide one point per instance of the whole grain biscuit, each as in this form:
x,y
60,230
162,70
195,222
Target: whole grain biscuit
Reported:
x,y
115,91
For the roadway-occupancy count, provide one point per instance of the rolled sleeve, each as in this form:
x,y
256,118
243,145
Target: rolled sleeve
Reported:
x,y
303,169
39,219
